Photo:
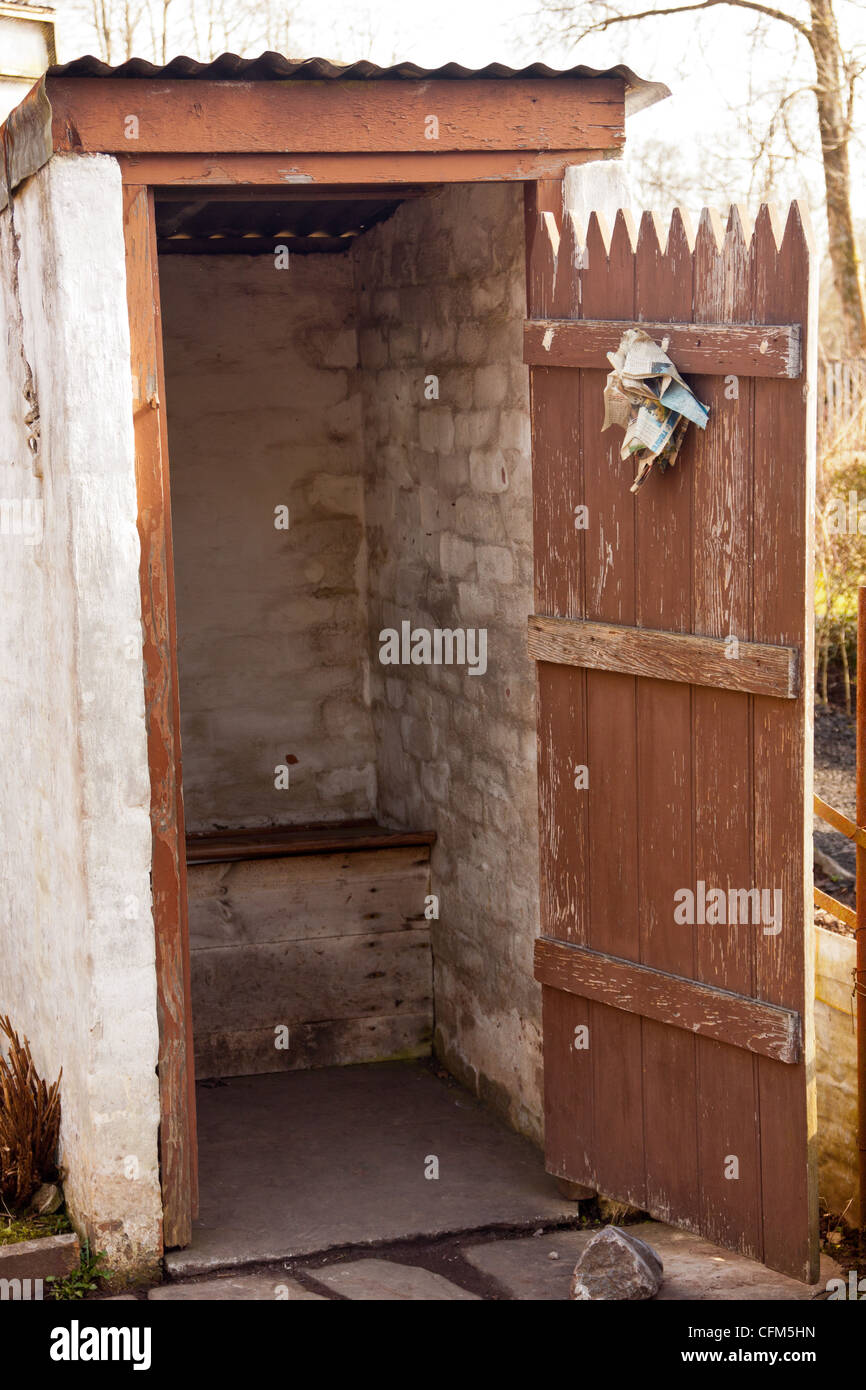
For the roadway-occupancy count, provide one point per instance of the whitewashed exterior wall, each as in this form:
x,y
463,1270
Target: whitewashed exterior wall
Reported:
x,y
77,970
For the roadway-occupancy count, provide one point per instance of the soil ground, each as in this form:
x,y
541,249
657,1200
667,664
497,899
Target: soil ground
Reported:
x,y
835,767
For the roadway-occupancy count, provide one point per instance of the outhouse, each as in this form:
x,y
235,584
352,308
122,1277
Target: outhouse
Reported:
x,y
277,509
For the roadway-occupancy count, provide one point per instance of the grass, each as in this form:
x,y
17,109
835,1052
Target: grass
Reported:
x,y
84,1280
16,1228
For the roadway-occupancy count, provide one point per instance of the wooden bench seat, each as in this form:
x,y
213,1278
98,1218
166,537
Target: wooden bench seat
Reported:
x,y
276,842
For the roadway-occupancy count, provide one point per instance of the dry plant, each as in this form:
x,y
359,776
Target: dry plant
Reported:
x,y
840,546
29,1123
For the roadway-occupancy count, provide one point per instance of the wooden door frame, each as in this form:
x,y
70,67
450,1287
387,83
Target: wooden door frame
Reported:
x,y
176,1066
176,1069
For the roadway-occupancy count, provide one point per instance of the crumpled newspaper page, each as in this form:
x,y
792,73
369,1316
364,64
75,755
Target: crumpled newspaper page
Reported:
x,y
646,396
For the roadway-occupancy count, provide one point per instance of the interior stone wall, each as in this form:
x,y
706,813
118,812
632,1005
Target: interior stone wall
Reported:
x,y
441,293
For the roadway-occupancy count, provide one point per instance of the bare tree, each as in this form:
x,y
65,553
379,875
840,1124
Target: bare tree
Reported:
x,y
836,76
160,29
102,28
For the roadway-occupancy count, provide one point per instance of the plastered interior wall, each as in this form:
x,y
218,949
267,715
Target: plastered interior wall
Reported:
x,y
264,410
77,973
441,292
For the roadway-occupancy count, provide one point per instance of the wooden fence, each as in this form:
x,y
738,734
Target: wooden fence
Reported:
x,y
841,392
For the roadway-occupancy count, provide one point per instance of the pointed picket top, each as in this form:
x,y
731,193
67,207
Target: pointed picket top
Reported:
x,y
795,263
624,239
710,237
782,260
766,246
769,228
566,295
799,232
598,237
681,237
651,235
735,294
543,238
739,228
663,272
709,297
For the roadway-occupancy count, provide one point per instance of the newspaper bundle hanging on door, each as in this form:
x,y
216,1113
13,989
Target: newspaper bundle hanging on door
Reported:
x,y
646,396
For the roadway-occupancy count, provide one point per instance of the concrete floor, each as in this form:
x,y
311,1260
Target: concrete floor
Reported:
x,y
308,1170
304,1161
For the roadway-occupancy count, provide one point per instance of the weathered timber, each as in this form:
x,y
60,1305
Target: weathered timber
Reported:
x,y
90,115
710,349
177,1143
636,989
671,656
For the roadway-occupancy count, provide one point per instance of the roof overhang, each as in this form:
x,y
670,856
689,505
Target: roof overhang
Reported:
x,y
273,121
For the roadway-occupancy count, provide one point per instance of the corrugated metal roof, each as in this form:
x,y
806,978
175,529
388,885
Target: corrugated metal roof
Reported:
x,y
274,67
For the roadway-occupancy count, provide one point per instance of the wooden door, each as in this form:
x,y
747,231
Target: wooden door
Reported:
x,y
673,640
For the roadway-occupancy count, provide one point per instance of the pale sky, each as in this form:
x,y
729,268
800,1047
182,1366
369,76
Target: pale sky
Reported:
x,y
702,60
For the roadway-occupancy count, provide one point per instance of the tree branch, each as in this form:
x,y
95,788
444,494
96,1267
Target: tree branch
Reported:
x,y
602,24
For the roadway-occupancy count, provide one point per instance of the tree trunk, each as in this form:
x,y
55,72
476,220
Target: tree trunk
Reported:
x,y
846,673
831,92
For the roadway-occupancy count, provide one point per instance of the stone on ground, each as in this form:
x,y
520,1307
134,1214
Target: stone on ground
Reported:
x,y
695,1269
616,1267
47,1199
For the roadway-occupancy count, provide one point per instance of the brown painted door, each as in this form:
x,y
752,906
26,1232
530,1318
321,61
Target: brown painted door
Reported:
x,y
672,634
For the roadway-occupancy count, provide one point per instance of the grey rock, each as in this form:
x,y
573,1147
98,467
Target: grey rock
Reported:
x,y
47,1199
616,1266
695,1269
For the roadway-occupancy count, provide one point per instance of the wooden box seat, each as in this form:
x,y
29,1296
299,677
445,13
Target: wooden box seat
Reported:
x,y
309,946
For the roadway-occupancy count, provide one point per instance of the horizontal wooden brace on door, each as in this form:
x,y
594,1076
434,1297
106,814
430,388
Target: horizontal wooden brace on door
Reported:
x,y
708,349
731,1018
757,668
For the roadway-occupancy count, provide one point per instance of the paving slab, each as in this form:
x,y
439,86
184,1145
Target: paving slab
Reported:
x,y
695,1270
270,1288
300,1162
384,1280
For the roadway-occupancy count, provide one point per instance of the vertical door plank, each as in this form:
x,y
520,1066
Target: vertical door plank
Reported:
x,y
178,1159
557,485
663,291
607,287
727,1076
783,501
